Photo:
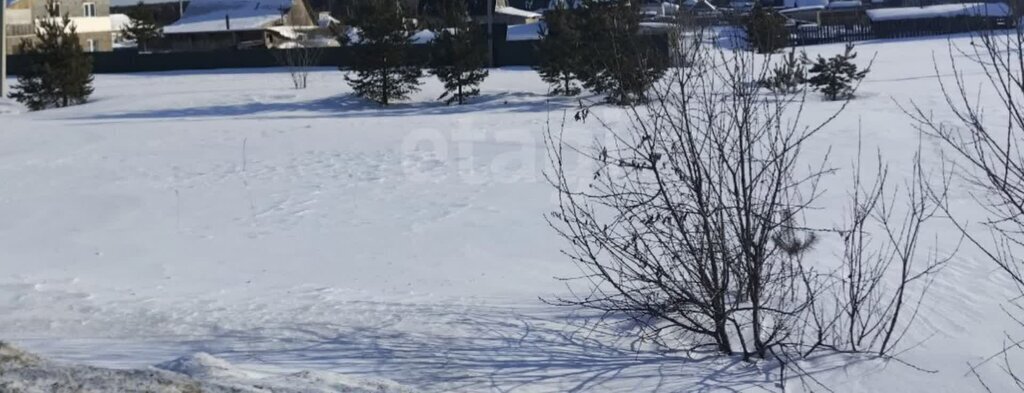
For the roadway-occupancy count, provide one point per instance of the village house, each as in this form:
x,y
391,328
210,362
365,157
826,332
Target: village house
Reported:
x,y
91,19
238,24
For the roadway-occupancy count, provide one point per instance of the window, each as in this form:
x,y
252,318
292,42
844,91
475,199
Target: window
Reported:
x,y
89,9
90,45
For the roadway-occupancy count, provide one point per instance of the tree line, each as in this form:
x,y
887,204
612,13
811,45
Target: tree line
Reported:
x,y
595,45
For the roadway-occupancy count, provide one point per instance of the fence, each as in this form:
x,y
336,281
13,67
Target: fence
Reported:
x,y
506,53
817,34
938,26
513,53
906,28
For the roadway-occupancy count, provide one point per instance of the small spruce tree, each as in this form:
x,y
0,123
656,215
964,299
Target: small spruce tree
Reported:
x,y
765,29
61,72
560,51
618,61
383,70
788,76
836,77
459,53
142,27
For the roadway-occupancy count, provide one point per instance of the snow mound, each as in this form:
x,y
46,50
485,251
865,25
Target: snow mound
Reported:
x,y
13,357
21,371
202,366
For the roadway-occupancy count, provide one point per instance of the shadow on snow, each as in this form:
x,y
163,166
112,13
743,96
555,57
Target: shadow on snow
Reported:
x,y
350,106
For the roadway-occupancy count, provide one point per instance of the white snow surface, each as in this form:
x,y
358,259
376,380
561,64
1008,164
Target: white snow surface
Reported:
x,y
940,11
292,233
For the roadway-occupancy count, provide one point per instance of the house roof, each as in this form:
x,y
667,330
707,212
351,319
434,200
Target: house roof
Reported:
x,y
843,4
512,11
204,16
940,11
524,32
702,3
119,22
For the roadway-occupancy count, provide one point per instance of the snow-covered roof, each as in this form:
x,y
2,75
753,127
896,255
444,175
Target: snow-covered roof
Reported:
x,y
292,32
843,4
119,22
203,16
516,12
940,11
802,9
423,37
694,3
524,32
326,20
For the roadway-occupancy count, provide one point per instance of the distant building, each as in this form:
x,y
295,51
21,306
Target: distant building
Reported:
x,y
91,19
237,24
503,14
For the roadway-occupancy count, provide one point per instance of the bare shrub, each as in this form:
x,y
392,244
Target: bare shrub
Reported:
x,y
692,224
299,58
874,288
682,226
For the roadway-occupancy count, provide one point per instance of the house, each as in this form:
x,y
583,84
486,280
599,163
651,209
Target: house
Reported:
x,y
514,16
503,13
237,24
118,24
655,10
91,19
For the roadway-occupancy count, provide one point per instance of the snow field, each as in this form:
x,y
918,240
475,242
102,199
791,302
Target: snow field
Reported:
x,y
282,230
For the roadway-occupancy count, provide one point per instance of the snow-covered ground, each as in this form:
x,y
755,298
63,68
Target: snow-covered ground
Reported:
x,y
281,230
22,372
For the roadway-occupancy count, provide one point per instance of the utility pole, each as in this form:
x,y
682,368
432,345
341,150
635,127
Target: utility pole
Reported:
x,y
490,32
3,49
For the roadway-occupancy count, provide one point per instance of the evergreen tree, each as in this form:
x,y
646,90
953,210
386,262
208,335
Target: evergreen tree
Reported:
x,y
788,76
836,77
618,61
459,53
142,27
382,69
61,72
560,51
765,29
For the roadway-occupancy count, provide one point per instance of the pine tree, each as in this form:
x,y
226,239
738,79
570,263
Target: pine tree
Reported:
x,y
765,29
788,76
837,76
560,52
61,72
382,69
459,54
618,61
142,27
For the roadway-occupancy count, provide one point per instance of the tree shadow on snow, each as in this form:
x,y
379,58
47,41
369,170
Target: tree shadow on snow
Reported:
x,y
349,106
489,349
